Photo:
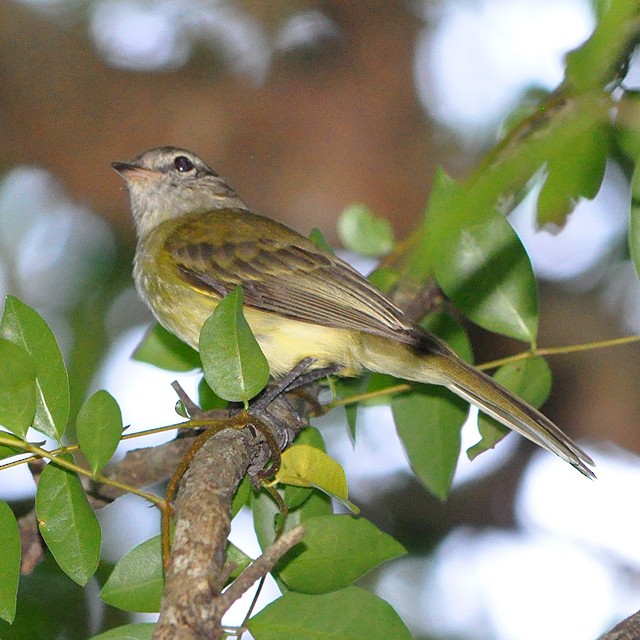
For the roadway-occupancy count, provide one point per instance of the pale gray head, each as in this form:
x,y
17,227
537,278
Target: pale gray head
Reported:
x,y
168,182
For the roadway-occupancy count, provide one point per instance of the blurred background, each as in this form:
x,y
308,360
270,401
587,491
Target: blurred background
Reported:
x,y
306,107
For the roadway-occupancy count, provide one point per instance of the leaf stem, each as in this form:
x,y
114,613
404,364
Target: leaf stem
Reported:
x,y
188,424
369,395
493,364
55,458
555,351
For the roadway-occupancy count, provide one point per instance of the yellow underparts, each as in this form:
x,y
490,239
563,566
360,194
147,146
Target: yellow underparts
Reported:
x,y
284,341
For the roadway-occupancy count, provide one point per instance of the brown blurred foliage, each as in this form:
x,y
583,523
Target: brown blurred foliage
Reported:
x,y
341,126
338,125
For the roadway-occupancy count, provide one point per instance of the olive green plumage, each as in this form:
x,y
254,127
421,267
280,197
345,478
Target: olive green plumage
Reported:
x,y
197,240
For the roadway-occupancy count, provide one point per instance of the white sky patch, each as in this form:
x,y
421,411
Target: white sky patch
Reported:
x,y
472,68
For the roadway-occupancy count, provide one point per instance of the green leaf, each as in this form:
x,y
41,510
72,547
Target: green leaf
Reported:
x,y
347,614
575,168
17,388
378,382
139,631
336,551
241,496
9,562
207,399
295,496
137,580
361,231
603,57
480,263
265,513
428,421
162,349
317,237
491,432
445,326
303,502
317,504
23,326
233,363
181,410
67,522
50,606
566,136
345,388
305,466
531,380
626,131
8,450
383,278
312,437
99,429
634,225
553,138
238,558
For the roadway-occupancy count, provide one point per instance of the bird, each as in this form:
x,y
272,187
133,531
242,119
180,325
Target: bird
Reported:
x,y
197,241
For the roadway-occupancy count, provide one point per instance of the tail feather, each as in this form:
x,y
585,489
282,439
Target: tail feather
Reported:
x,y
511,411
431,361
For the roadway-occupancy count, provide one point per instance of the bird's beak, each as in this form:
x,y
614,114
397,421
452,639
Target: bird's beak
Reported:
x,y
133,172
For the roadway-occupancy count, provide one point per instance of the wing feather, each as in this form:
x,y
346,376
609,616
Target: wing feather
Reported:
x,y
281,272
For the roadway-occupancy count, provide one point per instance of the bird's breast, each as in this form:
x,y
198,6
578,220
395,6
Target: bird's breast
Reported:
x,y
183,309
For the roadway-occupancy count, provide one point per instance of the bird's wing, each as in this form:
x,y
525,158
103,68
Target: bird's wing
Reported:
x,y
281,272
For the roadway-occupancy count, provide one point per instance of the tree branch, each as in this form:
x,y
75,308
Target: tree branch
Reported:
x,y
195,576
193,603
260,567
628,629
141,468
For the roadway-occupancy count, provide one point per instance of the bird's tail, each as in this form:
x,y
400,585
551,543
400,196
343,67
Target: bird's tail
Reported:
x,y
493,399
437,364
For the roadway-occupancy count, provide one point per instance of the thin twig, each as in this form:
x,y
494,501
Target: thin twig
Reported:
x,y
557,351
628,629
261,566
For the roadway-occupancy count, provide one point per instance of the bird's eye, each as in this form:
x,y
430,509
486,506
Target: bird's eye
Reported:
x,y
182,164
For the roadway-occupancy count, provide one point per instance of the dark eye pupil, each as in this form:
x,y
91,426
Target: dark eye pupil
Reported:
x,y
182,164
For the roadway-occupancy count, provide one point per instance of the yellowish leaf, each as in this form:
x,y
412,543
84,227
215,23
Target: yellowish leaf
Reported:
x,y
306,466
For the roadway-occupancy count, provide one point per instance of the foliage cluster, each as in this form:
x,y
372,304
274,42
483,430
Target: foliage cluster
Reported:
x,y
465,244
